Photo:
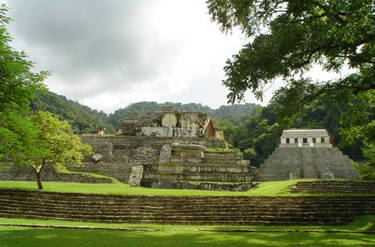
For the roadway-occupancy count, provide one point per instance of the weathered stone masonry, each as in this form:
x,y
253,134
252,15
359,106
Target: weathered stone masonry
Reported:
x,y
169,162
307,154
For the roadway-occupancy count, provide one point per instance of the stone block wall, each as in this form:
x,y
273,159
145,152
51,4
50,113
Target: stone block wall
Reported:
x,y
334,186
121,153
321,163
191,167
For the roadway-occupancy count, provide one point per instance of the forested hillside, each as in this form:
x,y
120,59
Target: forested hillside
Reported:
x,y
82,118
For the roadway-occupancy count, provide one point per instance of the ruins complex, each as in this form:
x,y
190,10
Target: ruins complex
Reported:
x,y
169,149
186,150
307,154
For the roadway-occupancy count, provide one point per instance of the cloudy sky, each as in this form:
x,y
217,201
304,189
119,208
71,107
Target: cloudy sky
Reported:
x,y
109,53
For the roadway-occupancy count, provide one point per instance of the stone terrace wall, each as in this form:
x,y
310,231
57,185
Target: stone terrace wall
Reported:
x,y
191,167
198,210
15,173
334,187
121,153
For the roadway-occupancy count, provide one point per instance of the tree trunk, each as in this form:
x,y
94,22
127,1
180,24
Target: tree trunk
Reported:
x,y
38,170
38,180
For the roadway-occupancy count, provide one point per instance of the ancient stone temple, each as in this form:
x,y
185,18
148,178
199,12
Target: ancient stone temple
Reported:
x,y
307,153
175,150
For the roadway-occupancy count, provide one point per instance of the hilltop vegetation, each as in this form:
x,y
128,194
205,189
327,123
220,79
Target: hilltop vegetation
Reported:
x,y
83,119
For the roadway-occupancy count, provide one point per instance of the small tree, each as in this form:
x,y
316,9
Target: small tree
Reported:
x,y
58,138
18,83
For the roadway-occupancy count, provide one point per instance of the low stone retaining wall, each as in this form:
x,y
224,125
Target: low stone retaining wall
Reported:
x,y
198,210
48,174
334,187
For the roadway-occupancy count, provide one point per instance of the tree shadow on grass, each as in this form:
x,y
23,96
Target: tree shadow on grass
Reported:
x,y
19,236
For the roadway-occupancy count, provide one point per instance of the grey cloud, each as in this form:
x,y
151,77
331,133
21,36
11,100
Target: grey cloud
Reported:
x,y
79,38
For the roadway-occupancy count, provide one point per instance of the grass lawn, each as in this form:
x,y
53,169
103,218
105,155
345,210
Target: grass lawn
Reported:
x,y
21,236
274,188
179,235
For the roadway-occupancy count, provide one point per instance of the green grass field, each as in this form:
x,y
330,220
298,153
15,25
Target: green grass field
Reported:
x,y
21,237
266,189
274,188
12,236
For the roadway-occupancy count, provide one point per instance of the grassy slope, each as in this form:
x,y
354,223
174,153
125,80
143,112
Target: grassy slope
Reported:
x,y
274,188
264,189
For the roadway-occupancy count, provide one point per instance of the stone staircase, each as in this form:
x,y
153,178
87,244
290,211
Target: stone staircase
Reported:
x,y
321,163
326,186
121,153
214,171
184,210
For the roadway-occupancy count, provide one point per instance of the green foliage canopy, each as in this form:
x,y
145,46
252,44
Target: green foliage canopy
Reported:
x,y
18,84
58,138
18,81
288,37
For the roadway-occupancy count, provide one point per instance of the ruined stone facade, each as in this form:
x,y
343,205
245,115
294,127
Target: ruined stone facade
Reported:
x,y
170,162
318,138
171,124
307,154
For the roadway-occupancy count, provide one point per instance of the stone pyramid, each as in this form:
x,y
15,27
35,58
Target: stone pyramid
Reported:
x,y
307,154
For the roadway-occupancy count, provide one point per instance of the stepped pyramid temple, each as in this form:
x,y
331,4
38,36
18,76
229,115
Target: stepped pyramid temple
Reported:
x,y
169,149
307,153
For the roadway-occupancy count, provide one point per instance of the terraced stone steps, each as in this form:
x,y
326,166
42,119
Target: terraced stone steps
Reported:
x,y
184,210
203,167
307,162
334,187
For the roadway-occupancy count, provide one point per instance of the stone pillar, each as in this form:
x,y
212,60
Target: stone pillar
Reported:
x,y
300,141
310,142
318,140
135,176
283,140
326,139
291,140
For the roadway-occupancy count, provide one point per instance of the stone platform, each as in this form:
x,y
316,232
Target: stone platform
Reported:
x,y
170,162
307,162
